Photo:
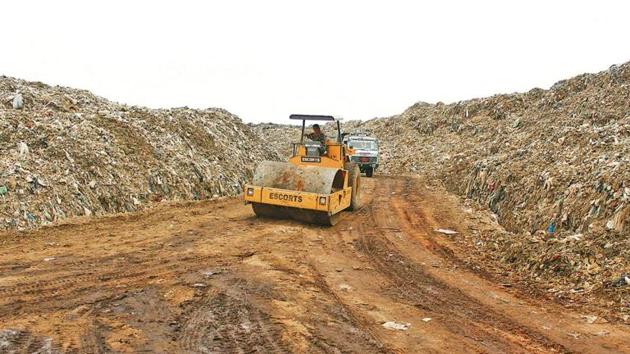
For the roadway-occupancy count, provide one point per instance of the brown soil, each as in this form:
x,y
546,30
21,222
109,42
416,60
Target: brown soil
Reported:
x,y
210,277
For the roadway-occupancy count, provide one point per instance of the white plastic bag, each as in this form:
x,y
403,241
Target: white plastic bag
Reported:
x,y
18,101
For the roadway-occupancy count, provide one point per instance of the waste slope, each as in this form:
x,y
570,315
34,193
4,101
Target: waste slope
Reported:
x,y
280,136
66,153
551,165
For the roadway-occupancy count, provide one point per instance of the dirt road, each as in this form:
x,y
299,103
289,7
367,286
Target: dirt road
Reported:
x,y
210,277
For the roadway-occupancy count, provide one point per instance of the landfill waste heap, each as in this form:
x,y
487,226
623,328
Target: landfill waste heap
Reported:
x,y
279,137
67,152
552,166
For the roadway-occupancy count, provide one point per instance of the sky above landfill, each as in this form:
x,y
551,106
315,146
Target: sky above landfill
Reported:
x,y
263,60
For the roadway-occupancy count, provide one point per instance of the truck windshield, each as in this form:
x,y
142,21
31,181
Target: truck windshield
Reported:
x,y
363,145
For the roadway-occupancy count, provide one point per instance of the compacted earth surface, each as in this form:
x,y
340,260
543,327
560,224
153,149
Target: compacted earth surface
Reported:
x,y
211,277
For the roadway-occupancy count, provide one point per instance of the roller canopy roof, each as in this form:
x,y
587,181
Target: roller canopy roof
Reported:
x,y
312,117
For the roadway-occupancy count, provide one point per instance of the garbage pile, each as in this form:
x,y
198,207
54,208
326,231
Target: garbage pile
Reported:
x,y
552,165
66,152
278,137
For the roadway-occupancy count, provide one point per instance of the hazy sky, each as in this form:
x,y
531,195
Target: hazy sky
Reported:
x,y
266,59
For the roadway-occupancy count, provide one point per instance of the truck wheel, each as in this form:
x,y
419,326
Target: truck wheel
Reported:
x,y
354,180
369,172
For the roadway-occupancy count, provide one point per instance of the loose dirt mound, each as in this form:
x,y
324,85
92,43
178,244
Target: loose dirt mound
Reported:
x,y
69,153
552,167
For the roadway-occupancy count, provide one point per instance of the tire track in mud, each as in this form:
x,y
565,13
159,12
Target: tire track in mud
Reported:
x,y
221,323
18,341
67,282
461,315
73,287
349,316
93,341
411,209
101,282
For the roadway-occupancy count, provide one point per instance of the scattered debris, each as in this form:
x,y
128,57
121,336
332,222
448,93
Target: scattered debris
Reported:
x,y
22,148
210,273
345,287
446,231
426,319
20,341
575,335
623,280
397,326
576,237
590,319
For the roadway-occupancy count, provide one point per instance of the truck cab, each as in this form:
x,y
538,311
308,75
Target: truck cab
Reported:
x,y
364,151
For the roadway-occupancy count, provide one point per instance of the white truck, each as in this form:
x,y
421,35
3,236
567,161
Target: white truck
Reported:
x,y
365,151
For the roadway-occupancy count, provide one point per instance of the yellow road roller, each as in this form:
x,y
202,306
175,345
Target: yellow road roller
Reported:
x,y
314,186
